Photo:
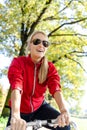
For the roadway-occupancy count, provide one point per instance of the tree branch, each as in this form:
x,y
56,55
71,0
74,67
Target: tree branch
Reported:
x,y
65,6
57,18
74,34
22,7
52,18
34,24
68,23
77,63
80,53
69,5
68,57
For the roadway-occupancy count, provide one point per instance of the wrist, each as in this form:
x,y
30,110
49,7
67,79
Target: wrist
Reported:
x,y
63,110
15,116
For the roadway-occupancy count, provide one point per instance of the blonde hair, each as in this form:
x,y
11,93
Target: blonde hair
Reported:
x,y
43,71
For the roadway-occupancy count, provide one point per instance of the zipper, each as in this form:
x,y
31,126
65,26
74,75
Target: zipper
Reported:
x,y
34,85
34,80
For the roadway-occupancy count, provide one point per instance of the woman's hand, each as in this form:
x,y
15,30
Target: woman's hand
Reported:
x,y
18,124
63,119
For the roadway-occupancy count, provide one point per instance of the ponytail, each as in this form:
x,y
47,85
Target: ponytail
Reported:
x,y
43,70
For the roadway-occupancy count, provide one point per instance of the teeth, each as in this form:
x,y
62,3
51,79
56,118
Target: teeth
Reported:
x,y
40,51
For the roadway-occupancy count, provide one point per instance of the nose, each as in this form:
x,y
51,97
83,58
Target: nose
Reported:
x,y
41,44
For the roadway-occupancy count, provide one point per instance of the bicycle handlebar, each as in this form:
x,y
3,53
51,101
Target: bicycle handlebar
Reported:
x,y
51,122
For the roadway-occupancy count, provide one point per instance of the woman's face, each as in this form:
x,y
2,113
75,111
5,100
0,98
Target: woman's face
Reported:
x,y
38,51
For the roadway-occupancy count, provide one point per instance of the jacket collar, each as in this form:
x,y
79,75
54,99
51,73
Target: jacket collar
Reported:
x,y
29,60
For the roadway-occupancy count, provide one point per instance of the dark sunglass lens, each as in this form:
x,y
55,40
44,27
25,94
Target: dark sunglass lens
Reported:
x,y
36,41
45,43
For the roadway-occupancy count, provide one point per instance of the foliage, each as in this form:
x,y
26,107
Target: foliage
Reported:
x,y
3,122
1,94
65,24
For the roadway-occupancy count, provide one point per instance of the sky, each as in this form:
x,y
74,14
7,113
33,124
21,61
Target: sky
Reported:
x,y
2,2
4,62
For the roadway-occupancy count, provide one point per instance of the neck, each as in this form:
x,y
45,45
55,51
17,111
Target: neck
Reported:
x,y
35,60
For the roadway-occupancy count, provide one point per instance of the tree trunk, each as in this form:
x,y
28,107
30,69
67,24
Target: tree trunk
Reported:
x,y
6,109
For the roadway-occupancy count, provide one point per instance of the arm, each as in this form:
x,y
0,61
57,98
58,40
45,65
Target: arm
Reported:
x,y
16,121
63,119
15,102
60,101
15,76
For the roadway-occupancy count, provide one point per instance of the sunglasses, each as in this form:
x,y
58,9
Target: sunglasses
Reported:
x,y
38,41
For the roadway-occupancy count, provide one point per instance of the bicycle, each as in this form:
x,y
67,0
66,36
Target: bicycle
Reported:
x,y
39,124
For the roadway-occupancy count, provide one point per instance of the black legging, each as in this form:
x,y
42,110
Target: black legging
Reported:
x,y
46,111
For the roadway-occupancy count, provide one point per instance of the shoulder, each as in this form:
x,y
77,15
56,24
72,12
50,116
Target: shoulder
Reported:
x,y
51,64
18,60
51,67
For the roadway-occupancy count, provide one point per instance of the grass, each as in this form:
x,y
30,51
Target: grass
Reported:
x,y
81,122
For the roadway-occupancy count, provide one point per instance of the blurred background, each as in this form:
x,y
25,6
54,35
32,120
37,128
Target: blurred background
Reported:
x,y
65,23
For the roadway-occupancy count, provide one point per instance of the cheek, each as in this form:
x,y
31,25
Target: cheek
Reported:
x,y
32,50
31,47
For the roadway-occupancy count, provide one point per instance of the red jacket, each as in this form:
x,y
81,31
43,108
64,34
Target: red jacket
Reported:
x,y
23,75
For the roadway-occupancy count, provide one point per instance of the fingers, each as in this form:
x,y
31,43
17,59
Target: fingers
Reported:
x,y
18,124
63,119
22,125
13,122
67,119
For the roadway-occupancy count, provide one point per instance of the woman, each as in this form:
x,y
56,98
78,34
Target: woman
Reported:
x,y
29,77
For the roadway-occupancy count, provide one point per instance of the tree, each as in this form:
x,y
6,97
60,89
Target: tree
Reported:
x,y
59,19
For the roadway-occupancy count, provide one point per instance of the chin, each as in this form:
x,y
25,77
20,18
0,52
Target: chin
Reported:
x,y
40,56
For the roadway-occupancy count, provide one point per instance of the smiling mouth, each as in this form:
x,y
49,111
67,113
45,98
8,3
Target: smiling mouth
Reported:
x,y
39,50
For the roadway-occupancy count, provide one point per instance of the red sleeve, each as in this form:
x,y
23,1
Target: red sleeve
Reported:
x,y
15,74
53,79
